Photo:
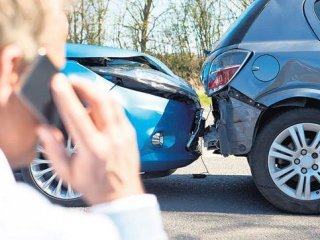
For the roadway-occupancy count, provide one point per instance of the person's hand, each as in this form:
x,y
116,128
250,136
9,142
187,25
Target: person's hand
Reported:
x,y
106,165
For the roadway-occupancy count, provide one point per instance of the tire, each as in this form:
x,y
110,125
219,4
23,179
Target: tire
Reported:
x,y
29,179
43,178
282,175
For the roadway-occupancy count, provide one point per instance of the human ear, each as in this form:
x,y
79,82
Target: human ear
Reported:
x,y
11,58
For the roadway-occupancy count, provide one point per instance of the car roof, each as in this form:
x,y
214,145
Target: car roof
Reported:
x,y
281,20
313,20
272,21
239,29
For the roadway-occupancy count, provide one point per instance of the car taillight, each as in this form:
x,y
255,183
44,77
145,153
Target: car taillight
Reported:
x,y
221,77
224,68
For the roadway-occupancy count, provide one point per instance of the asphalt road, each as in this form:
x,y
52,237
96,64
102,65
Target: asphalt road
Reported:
x,y
225,205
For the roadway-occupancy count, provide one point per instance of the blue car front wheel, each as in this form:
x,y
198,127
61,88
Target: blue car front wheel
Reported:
x,y
42,176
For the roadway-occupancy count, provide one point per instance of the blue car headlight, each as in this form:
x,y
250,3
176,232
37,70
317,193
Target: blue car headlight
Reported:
x,y
148,81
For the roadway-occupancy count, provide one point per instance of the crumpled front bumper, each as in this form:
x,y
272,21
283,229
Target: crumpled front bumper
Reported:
x,y
235,119
197,131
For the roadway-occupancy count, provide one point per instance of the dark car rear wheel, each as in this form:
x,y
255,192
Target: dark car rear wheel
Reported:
x,y
43,178
285,161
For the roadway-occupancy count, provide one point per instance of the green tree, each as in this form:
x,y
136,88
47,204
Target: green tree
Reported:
x,y
87,22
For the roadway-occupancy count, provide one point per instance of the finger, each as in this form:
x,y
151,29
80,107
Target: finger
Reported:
x,y
52,142
125,123
119,116
102,108
73,113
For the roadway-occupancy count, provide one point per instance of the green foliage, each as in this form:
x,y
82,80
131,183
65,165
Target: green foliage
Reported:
x,y
204,99
185,65
87,21
176,32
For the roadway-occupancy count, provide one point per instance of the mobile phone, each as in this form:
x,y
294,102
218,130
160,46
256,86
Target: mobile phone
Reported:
x,y
36,92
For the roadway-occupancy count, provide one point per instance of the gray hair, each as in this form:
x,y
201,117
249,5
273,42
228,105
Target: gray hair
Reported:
x,y
22,22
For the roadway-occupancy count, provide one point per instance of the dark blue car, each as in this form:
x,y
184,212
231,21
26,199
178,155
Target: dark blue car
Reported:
x,y
162,107
264,80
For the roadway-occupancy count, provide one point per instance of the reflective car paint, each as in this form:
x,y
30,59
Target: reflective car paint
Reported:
x,y
293,42
78,51
148,113
87,51
239,29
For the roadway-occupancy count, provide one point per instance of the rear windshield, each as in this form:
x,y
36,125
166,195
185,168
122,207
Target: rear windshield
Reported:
x,y
239,29
317,9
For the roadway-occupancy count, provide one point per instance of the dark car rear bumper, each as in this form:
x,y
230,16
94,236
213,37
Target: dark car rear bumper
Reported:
x,y
235,117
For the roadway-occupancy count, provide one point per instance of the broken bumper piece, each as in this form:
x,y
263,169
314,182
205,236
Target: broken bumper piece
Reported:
x,y
211,139
235,119
196,132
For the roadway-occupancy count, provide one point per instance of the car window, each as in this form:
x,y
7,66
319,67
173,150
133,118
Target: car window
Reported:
x,y
317,9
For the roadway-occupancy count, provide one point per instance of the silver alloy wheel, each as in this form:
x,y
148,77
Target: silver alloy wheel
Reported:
x,y
294,162
45,177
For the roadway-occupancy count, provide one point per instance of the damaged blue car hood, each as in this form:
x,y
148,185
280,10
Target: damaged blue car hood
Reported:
x,y
82,51
78,51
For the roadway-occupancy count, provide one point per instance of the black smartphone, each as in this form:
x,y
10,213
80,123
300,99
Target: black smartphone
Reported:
x,y
36,91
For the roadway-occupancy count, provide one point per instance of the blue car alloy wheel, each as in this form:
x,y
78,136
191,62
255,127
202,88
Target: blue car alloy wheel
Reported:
x,y
263,78
163,108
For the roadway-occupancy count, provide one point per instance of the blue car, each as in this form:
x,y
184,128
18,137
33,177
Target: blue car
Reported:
x,y
162,107
264,80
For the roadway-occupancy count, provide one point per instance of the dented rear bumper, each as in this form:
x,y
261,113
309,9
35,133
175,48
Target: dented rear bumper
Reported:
x,y
235,118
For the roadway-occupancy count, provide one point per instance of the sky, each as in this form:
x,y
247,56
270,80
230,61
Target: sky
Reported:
x,y
117,7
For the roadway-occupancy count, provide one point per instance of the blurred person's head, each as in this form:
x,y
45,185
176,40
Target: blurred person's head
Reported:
x,y
25,26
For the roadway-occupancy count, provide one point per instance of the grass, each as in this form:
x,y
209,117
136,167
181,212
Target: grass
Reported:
x,y
205,101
